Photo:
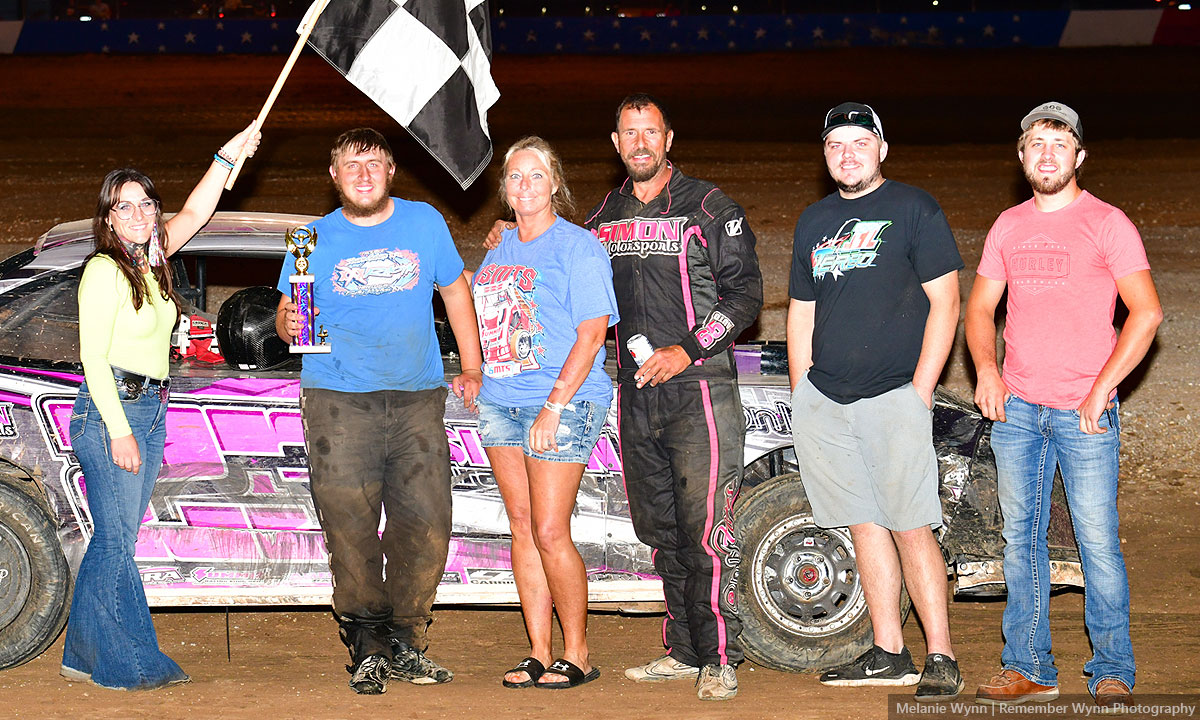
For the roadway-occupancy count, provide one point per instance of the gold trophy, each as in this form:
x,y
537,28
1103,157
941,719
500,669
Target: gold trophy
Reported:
x,y
301,241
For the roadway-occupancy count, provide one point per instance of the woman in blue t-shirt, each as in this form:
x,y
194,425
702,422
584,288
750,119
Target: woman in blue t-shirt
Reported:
x,y
544,302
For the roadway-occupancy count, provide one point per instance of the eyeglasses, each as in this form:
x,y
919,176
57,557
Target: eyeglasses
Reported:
x,y
124,209
862,118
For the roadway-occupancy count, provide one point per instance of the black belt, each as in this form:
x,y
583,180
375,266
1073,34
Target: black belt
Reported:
x,y
137,384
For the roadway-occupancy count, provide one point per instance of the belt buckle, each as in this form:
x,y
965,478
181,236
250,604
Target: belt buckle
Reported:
x,y
132,387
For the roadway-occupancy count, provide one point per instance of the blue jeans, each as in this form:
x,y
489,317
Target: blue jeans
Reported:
x,y
1028,446
110,636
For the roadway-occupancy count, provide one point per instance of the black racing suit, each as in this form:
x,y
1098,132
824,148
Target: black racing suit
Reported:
x,y
685,273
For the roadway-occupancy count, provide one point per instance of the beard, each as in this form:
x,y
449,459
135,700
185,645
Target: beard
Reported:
x,y
351,208
861,185
642,174
1049,185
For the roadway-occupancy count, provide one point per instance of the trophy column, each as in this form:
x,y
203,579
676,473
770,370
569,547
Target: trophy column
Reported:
x,y
301,242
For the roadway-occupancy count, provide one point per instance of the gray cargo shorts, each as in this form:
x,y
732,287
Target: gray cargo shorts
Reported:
x,y
870,461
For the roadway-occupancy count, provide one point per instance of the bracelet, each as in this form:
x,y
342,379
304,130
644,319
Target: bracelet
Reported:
x,y
220,160
555,407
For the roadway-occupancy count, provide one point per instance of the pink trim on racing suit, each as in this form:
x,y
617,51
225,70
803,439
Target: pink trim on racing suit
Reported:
x,y
713,467
685,283
599,209
704,199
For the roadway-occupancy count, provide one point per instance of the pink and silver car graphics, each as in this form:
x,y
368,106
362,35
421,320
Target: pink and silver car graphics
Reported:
x,y
377,272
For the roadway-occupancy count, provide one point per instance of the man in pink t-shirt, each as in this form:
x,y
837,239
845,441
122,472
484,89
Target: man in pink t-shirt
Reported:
x,y
1064,256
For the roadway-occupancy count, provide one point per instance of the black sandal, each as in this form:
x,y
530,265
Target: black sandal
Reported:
x,y
532,667
569,670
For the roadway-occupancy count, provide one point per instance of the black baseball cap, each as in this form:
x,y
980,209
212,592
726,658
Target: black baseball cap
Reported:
x,y
853,114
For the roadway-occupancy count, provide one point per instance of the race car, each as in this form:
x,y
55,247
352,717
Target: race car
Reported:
x,y
231,520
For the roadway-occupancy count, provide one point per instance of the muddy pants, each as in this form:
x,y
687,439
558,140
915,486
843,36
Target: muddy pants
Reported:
x,y
366,451
681,447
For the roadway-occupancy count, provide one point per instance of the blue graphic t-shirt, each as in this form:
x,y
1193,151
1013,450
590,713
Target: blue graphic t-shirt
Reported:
x,y
863,261
530,298
374,287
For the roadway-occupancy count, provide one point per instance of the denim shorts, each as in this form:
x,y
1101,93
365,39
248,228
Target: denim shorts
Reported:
x,y
578,429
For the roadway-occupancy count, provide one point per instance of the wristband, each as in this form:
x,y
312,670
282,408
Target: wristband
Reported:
x,y
555,407
220,159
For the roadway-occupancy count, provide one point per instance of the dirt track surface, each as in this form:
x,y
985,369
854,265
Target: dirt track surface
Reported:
x,y
748,123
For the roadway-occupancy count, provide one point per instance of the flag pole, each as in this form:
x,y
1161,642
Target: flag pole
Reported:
x,y
306,26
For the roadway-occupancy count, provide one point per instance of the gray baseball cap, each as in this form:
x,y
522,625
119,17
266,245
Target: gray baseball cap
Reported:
x,y
1054,111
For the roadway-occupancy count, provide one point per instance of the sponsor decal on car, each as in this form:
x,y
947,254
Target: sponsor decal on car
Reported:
x,y
489,576
211,575
161,576
8,428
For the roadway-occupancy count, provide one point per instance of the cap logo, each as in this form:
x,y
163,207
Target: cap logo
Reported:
x,y
1054,111
853,115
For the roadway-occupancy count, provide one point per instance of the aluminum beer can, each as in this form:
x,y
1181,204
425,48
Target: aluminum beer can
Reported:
x,y
640,347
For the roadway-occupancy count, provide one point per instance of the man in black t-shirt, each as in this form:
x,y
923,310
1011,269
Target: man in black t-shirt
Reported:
x,y
872,317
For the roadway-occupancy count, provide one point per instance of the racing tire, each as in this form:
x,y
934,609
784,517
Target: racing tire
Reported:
x,y
799,595
35,580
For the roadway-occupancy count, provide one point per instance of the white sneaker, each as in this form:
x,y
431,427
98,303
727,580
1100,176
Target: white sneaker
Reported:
x,y
717,682
662,669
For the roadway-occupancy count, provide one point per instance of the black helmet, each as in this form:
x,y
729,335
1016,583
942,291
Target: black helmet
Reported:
x,y
246,330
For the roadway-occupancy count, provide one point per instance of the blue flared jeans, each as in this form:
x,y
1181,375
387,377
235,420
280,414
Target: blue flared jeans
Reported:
x,y
110,636
1028,446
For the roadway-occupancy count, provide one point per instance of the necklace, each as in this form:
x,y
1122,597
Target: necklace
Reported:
x,y
137,253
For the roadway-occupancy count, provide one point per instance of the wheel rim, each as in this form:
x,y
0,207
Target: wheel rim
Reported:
x,y
16,574
805,578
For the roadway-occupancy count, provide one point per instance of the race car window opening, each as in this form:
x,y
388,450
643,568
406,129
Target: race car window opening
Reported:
x,y
41,319
208,280
194,294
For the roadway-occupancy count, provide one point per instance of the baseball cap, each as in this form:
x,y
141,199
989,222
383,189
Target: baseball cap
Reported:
x,y
853,114
1054,111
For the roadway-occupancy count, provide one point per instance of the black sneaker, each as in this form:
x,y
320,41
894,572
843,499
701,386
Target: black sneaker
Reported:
x,y
371,675
411,665
941,679
874,667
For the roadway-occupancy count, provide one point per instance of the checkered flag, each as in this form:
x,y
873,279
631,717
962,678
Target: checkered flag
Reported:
x,y
427,63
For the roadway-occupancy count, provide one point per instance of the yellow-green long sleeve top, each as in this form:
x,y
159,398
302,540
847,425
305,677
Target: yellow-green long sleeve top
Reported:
x,y
112,333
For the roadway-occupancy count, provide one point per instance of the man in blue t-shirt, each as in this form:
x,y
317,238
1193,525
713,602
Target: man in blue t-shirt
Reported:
x,y
373,408
874,308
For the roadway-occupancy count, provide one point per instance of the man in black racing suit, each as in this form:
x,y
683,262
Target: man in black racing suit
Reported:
x,y
686,276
